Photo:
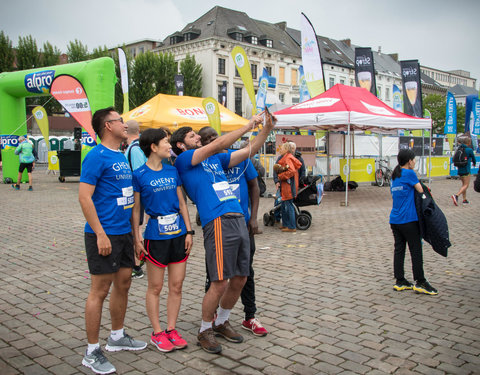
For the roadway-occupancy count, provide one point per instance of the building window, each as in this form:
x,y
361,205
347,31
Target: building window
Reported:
x,y
387,93
342,81
221,66
254,40
239,37
253,67
281,75
295,100
269,43
379,92
133,52
331,82
220,96
238,101
352,83
187,36
269,70
237,74
281,97
141,50
294,81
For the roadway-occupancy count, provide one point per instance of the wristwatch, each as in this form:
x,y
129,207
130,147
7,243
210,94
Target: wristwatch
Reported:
x,y
192,232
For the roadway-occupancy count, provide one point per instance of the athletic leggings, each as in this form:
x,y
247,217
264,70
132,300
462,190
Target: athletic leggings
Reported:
x,y
403,234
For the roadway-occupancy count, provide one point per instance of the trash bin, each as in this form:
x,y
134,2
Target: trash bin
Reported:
x,y
70,162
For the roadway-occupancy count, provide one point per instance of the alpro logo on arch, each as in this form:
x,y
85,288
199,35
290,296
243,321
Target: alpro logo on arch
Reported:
x,y
39,82
8,141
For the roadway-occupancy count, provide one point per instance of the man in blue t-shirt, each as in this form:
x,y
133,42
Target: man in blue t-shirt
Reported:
x,y
106,198
226,239
243,181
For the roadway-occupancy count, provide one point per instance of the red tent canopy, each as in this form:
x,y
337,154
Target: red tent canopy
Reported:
x,y
343,105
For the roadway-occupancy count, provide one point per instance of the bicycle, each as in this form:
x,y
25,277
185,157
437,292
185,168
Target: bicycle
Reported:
x,y
383,174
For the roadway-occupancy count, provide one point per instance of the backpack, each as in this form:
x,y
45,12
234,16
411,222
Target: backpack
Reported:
x,y
460,158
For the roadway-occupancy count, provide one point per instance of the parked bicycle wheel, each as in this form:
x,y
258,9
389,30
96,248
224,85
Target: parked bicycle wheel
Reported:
x,y
379,177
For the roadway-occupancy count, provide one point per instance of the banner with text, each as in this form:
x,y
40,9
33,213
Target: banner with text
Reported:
x,y
70,93
311,59
450,115
397,99
412,87
365,70
262,91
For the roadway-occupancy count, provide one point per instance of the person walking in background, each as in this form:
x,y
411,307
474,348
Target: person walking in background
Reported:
x,y
168,237
287,171
136,158
27,161
465,171
106,198
405,226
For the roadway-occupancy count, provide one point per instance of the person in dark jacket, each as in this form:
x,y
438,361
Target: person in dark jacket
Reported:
x,y
464,172
404,224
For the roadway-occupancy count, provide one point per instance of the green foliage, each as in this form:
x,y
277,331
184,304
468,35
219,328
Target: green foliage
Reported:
x,y
77,52
165,79
144,72
437,104
7,56
27,53
50,55
100,52
192,76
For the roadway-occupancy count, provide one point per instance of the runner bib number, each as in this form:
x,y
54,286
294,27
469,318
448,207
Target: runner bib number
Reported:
x,y
169,224
223,191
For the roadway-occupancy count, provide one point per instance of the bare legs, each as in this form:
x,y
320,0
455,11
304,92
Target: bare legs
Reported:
x,y
224,293
463,189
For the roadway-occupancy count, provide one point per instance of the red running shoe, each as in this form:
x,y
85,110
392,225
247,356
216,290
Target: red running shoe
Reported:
x,y
254,326
161,341
176,339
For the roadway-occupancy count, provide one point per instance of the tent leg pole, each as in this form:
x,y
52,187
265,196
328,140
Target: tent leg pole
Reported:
x,y
348,165
328,155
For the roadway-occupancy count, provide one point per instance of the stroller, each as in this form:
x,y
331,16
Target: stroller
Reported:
x,y
310,193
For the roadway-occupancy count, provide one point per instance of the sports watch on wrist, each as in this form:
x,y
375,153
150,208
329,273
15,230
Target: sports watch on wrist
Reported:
x,y
192,232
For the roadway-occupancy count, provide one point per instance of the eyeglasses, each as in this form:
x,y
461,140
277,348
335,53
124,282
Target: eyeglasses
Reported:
x,y
116,119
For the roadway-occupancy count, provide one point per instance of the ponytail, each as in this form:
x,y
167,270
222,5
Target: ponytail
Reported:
x,y
397,172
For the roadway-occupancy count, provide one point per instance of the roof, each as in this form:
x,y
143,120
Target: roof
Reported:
x,y
461,90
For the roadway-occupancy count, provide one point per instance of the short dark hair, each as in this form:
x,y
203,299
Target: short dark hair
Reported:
x,y
150,137
98,120
179,136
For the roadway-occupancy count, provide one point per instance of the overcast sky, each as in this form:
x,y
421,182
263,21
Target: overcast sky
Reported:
x,y
439,33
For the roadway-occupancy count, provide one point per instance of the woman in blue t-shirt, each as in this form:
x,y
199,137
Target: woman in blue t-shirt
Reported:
x,y
167,239
464,172
404,224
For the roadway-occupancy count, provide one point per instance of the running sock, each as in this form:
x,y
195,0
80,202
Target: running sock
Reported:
x,y
92,347
222,315
137,268
205,325
117,335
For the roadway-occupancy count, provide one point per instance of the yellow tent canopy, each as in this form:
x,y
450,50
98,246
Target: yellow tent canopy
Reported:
x,y
176,111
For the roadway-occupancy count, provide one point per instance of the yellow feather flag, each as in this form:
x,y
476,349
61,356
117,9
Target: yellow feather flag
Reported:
x,y
213,113
42,121
243,66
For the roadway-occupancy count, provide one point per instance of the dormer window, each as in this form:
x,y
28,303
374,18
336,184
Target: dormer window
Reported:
x,y
269,43
264,40
254,40
176,38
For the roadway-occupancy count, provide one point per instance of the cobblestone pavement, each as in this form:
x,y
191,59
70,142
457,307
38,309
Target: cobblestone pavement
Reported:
x,y
325,294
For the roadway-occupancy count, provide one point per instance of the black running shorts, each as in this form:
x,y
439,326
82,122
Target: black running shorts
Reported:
x,y
227,247
161,253
28,166
122,255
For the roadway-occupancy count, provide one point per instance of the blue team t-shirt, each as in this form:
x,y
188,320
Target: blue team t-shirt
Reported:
x,y
113,197
158,193
403,194
207,185
237,177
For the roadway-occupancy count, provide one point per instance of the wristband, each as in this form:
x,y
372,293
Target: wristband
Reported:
x,y
192,232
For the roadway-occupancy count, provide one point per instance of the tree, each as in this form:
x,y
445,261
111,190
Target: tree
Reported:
x,y
7,56
27,53
50,55
144,74
165,79
100,52
192,76
77,52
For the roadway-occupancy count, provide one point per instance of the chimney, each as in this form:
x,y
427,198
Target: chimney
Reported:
x,y
282,25
348,42
394,56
